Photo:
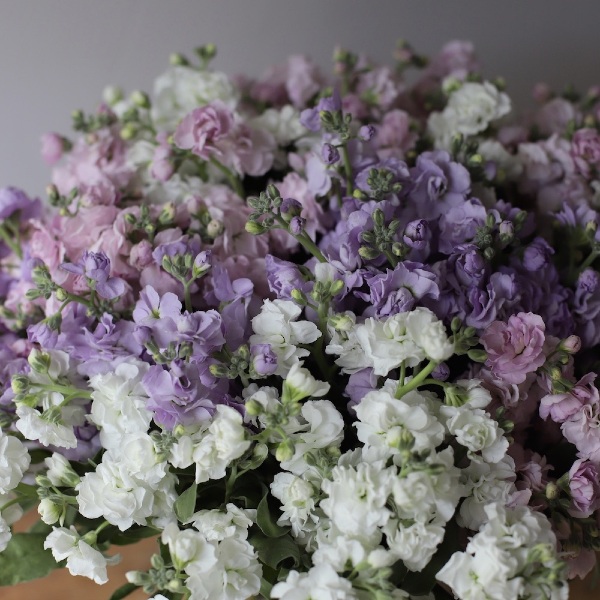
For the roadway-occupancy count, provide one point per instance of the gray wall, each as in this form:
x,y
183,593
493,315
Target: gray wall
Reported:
x,y
58,55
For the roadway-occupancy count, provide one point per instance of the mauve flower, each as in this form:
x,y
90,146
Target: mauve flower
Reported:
x,y
582,429
585,149
162,167
515,348
52,148
584,485
330,154
470,267
202,127
459,224
561,407
394,136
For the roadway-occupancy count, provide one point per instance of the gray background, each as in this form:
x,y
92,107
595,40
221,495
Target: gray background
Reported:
x,y
58,55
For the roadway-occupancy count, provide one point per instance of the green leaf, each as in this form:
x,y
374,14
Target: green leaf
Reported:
x,y
25,559
133,535
273,551
40,527
123,591
266,522
186,503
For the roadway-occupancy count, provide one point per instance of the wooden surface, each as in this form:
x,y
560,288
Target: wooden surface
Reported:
x,y
61,585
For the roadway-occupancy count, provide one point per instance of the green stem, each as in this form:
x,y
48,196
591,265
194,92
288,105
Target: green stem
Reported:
x,y
188,296
589,260
402,374
347,169
7,504
233,179
311,247
416,381
10,242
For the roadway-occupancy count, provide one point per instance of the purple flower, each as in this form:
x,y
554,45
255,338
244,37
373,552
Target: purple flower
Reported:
x,y
366,132
359,384
470,268
585,149
586,307
95,267
13,199
417,234
537,254
459,224
437,184
204,330
185,394
264,360
311,117
395,167
330,154
515,348
398,290
151,307
283,277
561,407
297,225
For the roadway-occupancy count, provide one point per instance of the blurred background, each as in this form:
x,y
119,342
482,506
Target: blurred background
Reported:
x,y
57,56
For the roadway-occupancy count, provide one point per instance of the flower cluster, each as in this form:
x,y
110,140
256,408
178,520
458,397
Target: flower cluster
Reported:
x,y
322,338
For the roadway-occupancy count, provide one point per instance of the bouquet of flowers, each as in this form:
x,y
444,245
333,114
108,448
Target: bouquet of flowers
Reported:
x,y
323,338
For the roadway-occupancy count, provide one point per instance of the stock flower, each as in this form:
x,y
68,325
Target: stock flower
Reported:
x,y
81,558
14,461
515,348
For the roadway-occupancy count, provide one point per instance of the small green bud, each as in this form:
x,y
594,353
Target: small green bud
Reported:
x,y
20,384
378,217
254,227
157,562
178,60
273,192
140,99
39,361
477,355
61,294
368,253
285,451
359,195
128,131
336,287
218,370
489,253
299,296
214,228
456,324
469,332
175,585
253,408
130,219
552,491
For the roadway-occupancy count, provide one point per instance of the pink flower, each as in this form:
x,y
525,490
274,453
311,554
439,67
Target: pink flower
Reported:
x,y
561,407
162,167
248,150
52,148
585,149
584,484
201,128
515,348
394,137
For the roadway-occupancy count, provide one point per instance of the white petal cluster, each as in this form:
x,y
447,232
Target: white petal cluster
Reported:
x,y
297,497
320,582
469,111
278,326
14,461
119,403
283,124
50,429
510,557
383,345
383,419
82,559
181,89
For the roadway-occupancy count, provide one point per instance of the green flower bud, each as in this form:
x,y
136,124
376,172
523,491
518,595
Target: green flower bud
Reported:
x,y
254,227
285,451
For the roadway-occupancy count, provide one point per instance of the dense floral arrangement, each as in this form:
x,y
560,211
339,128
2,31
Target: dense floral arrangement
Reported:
x,y
323,338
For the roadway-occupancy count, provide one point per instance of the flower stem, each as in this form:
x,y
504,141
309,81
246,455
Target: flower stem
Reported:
x,y
5,236
416,381
347,169
233,179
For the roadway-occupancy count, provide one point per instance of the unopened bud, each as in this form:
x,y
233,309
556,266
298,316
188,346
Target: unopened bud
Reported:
x,y
140,99
572,344
254,227
284,451
552,491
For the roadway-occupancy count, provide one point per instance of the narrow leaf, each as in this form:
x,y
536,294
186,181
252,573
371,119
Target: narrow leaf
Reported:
x,y
266,522
273,551
124,591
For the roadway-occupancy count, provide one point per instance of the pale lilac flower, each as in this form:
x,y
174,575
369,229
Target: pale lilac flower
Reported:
x,y
52,148
584,485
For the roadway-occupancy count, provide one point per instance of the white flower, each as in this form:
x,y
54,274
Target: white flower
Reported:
x,y
119,403
507,165
14,461
299,384
49,512
277,325
181,89
113,493
186,546
216,525
470,109
297,497
486,483
236,574
429,334
320,583
414,544
60,472
380,344
48,427
283,124
383,420
323,427
224,441
356,502
477,431
137,454
82,559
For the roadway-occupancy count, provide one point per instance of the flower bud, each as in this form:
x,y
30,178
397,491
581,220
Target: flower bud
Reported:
x,y
285,451
330,154
572,344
